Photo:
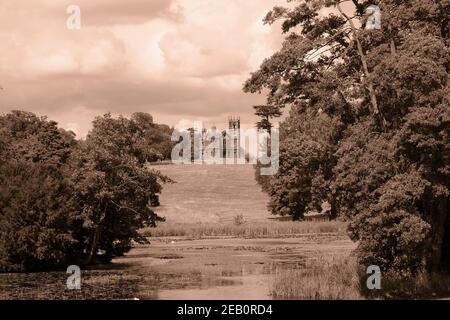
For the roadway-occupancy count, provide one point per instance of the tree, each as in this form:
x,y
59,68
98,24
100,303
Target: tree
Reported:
x,y
113,187
36,219
35,139
36,207
156,138
382,160
266,113
64,201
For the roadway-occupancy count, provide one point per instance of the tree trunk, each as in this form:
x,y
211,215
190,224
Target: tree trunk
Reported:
x,y
93,247
439,216
370,88
95,238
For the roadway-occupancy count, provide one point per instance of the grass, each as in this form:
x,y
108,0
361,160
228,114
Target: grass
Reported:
x,y
211,194
275,229
333,278
338,278
218,201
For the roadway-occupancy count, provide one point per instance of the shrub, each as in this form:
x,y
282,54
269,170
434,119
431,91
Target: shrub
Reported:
x,y
239,220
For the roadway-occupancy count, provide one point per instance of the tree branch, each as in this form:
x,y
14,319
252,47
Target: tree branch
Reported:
x,y
373,97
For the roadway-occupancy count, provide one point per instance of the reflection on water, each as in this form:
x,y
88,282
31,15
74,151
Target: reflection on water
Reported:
x,y
199,269
220,269
249,287
248,282
251,282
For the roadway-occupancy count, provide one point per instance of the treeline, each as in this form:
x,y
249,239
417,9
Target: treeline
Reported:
x,y
65,201
368,128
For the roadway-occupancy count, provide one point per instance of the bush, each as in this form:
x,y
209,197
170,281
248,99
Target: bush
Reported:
x,y
239,220
401,285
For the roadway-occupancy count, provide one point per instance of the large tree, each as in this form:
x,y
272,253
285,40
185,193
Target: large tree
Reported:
x,y
36,206
114,189
64,201
369,125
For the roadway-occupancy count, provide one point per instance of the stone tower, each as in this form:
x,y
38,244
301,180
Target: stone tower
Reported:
x,y
234,140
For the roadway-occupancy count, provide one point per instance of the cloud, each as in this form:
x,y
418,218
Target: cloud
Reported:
x,y
131,12
178,59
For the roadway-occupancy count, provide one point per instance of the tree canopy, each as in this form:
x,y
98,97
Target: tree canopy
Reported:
x,y
368,126
66,201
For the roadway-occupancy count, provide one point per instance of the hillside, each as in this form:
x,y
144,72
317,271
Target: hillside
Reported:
x,y
211,194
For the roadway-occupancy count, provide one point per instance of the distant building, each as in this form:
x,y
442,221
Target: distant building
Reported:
x,y
231,145
233,141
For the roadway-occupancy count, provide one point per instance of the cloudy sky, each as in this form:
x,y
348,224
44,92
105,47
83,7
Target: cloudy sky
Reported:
x,y
176,59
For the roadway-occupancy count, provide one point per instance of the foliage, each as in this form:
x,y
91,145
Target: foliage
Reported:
x,y
36,207
266,112
368,129
156,138
66,201
35,224
112,186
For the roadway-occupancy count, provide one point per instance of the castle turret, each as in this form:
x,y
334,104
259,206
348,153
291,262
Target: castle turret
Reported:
x,y
234,140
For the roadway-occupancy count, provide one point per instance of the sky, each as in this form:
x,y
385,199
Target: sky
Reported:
x,y
179,60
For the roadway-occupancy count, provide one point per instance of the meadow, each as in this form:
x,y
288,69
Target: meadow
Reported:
x,y
211,194
269,229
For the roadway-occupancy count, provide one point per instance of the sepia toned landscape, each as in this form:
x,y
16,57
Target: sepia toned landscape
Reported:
x,y
224,150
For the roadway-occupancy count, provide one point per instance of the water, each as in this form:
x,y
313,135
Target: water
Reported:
x,y
213,269
226,268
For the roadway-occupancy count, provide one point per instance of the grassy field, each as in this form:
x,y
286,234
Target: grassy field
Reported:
x,y
211,194
211,201
258,229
